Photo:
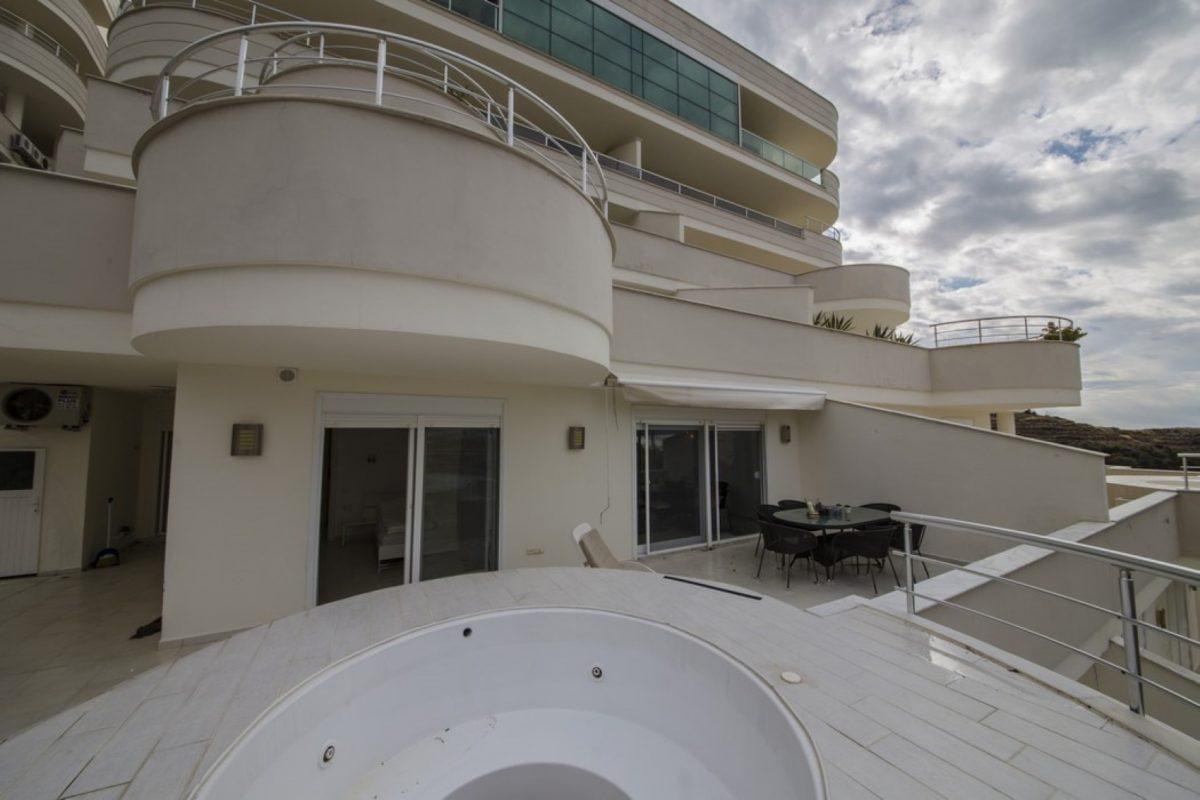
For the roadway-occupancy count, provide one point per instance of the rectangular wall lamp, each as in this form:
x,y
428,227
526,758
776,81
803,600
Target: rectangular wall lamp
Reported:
x,y
575,437
247,439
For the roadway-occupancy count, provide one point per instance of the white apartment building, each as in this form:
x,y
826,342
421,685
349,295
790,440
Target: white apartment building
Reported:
x,y
343,295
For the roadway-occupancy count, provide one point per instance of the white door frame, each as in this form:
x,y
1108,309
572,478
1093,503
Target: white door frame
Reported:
x,y
39,475
416,413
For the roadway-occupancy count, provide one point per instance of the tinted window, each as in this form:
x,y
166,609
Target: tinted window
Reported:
x,y
16,470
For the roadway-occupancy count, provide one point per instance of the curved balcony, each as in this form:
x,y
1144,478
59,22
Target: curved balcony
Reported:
x,y
69,23
148,33
873,294
46,71
984,330
369,215
1007,374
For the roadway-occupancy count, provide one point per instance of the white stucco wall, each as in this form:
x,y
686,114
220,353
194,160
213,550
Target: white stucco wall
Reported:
x,y
857,454
239,528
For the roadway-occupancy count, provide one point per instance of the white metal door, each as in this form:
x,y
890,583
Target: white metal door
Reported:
x,y
20,510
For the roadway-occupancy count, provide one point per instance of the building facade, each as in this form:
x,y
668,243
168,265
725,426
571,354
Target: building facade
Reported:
x,y
388,290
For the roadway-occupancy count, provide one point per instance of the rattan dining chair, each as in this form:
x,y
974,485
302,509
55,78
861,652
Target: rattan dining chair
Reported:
x,y
787,541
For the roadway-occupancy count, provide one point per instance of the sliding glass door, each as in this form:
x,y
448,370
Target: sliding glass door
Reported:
x,y
737,457
405,497
459,501
697,483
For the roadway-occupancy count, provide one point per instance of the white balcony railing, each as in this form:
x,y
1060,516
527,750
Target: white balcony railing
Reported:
x,y
246,11
999,329
10,20
457,80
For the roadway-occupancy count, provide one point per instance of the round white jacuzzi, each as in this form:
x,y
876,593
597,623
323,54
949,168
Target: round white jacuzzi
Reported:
x,y
531,704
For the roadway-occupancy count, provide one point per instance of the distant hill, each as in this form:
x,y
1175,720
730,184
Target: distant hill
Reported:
x,y
1148,448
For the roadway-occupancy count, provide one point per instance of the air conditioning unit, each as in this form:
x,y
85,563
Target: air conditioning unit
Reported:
x,y
29,405
28,151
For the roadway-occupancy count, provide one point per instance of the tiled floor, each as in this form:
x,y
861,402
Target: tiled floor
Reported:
x,y
736,564
895,711
65,639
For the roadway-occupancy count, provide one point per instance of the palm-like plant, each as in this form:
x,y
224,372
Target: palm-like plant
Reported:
x,y
835,322
893,335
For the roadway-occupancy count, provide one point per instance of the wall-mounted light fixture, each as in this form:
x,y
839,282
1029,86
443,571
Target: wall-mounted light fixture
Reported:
x,y
785,434
576,437
247,439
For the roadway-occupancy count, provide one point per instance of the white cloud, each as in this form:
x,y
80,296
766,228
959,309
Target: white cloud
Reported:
x,y
1020,157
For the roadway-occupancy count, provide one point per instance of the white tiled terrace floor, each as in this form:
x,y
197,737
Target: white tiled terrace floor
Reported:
x,y
895,711
65,638
736,564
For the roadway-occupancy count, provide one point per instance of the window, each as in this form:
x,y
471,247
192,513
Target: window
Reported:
x,y
602,44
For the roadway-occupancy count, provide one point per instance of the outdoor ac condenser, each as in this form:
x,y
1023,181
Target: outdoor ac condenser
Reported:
x,y
27,405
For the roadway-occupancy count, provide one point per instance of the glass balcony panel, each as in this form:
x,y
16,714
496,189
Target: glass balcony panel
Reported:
x,y
568,27
481,11
609,72
580,9
666,78
660,97
693,91
611,24
611,49
693,113
535,11
571,53
691,68
525,31
662,53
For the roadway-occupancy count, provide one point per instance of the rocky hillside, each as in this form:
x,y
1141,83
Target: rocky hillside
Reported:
x,y
1149,448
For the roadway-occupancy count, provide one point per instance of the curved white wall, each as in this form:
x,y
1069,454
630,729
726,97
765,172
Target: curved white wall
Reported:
x,y
325,234
874,294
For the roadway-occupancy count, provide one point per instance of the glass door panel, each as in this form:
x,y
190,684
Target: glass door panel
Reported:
x,y
675,496
738,480
459,501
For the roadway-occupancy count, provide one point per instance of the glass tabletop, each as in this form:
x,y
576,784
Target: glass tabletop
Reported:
x,y
858,517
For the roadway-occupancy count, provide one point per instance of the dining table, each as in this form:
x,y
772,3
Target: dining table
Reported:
x,y
830,522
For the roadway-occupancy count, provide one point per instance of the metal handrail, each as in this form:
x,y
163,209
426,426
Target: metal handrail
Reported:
x,y
1187,484
39,37
811,225
416,61
247,11
1125,563
1031,327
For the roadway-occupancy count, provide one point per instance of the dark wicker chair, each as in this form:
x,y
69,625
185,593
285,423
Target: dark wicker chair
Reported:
x,y
873,544
787,541
888,507
786,504
918,534
766,514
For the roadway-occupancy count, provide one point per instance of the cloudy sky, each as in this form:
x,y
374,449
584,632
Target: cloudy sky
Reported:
x,y
1033,157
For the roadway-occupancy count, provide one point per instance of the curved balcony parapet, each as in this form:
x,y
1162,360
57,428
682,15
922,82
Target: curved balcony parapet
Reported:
x,y
406,71
874,294
147,34
39,66
392,229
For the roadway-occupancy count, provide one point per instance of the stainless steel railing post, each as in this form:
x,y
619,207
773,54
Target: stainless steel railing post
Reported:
x,y
511,109
165,90
1133,654
380,63
908,570
240,80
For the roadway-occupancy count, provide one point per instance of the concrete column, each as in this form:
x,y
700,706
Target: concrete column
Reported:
x,y
1006,421
630,152
14,106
